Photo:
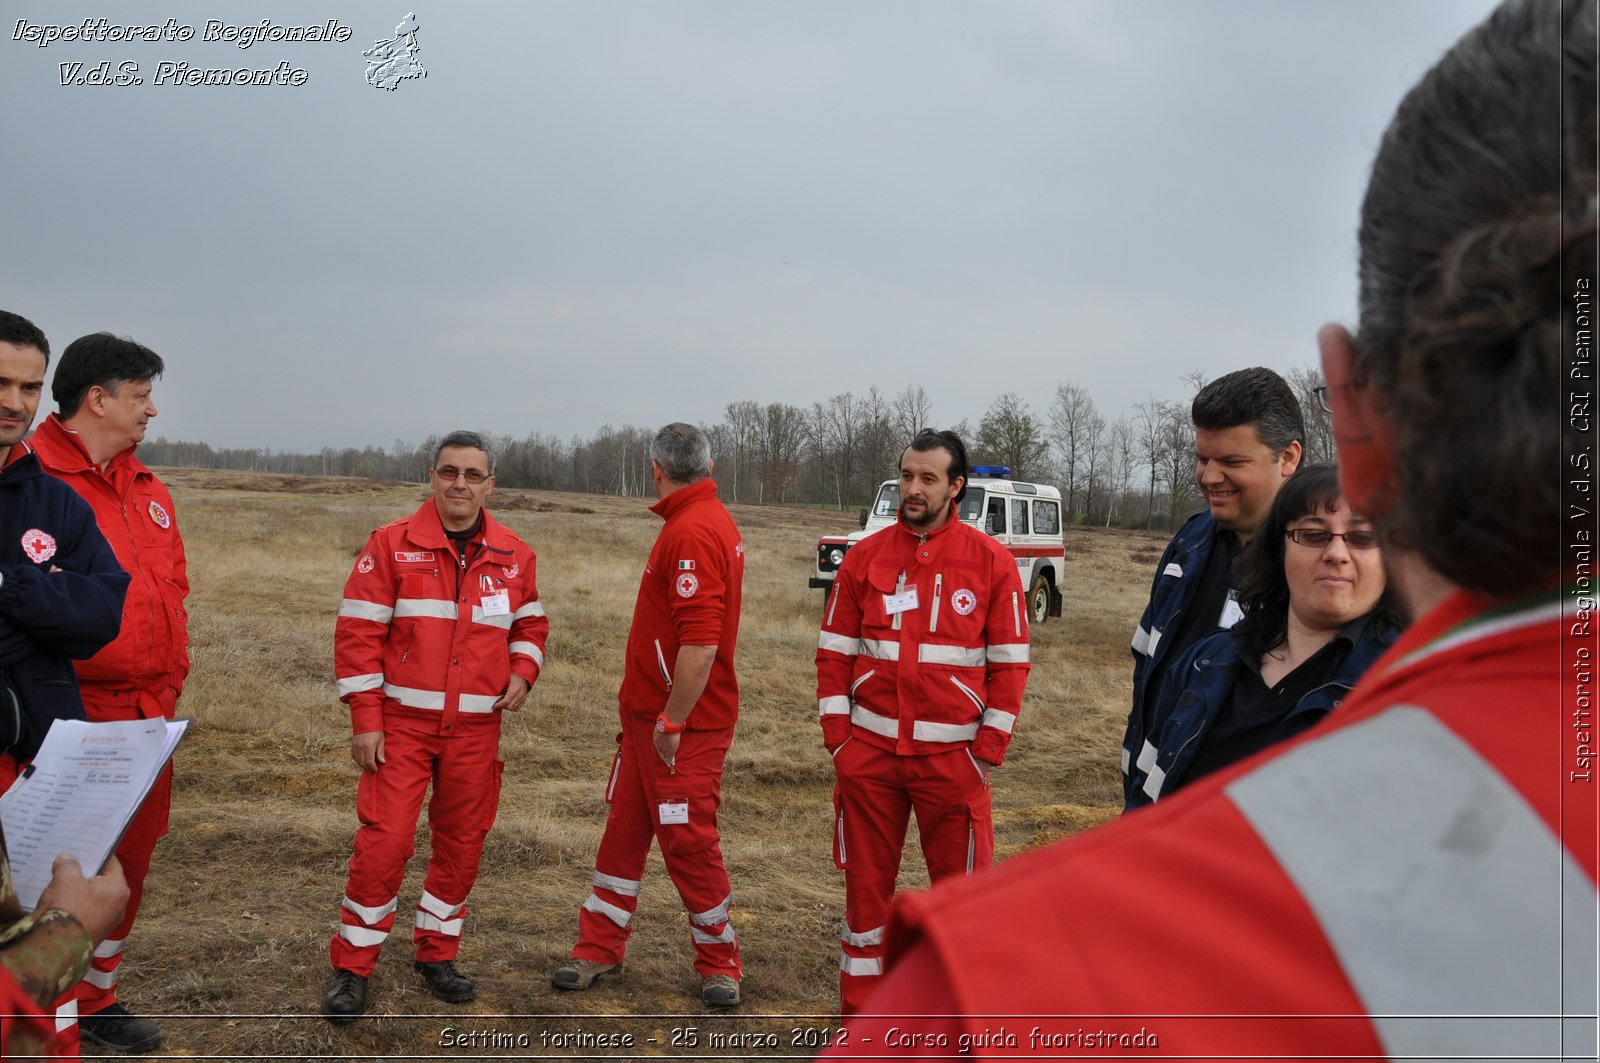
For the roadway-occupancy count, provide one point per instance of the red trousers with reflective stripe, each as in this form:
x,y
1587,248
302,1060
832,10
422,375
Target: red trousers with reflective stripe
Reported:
x,y
640,786
138,843
876,793
464,769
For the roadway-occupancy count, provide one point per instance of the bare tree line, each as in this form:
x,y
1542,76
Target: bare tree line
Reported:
x,y
1132,471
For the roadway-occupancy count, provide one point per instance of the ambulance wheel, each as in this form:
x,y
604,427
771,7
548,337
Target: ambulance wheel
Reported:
x,y
1039,600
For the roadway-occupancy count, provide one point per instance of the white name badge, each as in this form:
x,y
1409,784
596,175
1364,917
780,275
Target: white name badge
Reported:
x,y
1231,613
674,812
497,604
899,603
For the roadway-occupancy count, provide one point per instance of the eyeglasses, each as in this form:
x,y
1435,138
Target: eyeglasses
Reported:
x,y
1321,392
1319,538
450,473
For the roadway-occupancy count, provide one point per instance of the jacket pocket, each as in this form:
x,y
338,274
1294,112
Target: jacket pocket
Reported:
x,y
661,663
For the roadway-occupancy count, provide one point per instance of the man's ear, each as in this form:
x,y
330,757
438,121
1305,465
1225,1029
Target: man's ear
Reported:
x,y
1360,433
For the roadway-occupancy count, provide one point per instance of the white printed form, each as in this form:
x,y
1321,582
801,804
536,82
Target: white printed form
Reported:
x,y
79,794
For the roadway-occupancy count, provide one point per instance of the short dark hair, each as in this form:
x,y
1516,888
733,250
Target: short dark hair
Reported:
x,y
18,330
1255,396
463,438
100,360
1263,587
1480,213
931,439
683,452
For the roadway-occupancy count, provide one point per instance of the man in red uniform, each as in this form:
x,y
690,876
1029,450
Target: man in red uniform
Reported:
x,y
679,702
102,389
439,632
1416,877
921,664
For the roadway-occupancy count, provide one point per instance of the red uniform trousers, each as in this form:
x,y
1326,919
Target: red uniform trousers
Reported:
x,y
876,793
642,792
464,769
98,990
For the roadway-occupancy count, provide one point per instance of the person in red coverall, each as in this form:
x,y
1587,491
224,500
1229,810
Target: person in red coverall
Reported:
x,y
102,389
1415,878
921,664
439,632
679,702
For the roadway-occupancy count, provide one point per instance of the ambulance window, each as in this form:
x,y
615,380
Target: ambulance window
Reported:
x,y
995,522
1019,516
888,501
1046,518
971,506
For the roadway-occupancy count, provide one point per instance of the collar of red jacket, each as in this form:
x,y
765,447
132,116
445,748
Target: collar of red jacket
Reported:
x,y
68,454
426,529
698,491
900,522
16,454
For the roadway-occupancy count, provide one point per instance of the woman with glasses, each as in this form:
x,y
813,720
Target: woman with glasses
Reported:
x,y
1316,615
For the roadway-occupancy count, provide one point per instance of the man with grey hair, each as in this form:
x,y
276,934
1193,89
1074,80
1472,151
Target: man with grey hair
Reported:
x,y
678,702
440,630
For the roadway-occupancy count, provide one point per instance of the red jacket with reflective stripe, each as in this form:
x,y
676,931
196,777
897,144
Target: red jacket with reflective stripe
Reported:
x,y
421,635
135,513
689,595
950,668
1430,850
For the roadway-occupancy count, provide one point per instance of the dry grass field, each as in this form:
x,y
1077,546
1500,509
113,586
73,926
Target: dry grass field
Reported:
x,y
231,951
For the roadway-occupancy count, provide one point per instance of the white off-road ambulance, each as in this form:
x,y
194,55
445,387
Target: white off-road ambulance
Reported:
x,y
1024,517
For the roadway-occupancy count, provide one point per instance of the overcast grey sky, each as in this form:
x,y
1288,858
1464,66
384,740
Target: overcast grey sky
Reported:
x,y
636,212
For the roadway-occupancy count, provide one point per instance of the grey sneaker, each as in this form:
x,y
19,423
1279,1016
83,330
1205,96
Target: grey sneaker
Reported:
x,y
720,991
581,974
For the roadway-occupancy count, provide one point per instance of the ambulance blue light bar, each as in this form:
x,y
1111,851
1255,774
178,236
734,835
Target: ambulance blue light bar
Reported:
x,y
991,470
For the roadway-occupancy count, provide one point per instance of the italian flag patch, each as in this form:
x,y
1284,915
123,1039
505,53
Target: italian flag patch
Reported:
x,y
685,566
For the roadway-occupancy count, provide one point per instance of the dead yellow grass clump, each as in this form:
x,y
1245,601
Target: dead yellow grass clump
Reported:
x,y
231,948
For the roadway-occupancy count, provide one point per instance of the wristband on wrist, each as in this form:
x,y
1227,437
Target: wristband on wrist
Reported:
x,y
667,727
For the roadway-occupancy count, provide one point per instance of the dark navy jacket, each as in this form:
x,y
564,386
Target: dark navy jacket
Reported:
x,y
48,618
1199,682
1171,593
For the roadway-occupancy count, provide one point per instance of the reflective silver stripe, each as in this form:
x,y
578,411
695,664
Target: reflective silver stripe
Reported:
x,y
961,656
355,684
101,979
413,698
607,909
1126,759
443,909
1147,756
362,937
501,620
108,948
67,1015
367,915
844,644
923,731
865,939
878,725
437,608
1141,641
833,705
529,649
626,886
1153,782
971,694
533,608
447,927
860,966
712,916
1155,640
882,649
478,702
1439,889
363,610
1010,653
700,937
1173,569
999,720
